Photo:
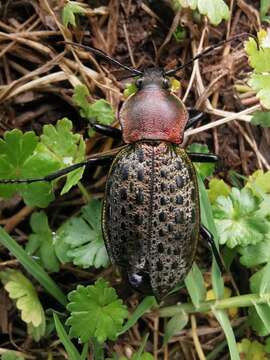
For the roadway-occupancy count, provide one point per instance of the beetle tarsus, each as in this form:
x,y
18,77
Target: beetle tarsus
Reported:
x,y
206,234
203,158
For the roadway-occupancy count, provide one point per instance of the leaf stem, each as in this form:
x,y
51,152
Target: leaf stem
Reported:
x,y
84,192
205,306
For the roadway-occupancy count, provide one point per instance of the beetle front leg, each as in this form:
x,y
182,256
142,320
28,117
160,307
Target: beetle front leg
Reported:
x,y
206,234
107,131
194,117
203,158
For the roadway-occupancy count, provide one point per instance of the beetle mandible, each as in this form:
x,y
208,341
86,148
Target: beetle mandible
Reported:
x,y
151,213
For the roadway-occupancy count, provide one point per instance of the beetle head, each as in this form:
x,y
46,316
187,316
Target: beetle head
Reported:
x,y
153,77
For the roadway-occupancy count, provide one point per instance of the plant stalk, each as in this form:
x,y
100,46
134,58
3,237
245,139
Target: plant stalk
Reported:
x,y
223,304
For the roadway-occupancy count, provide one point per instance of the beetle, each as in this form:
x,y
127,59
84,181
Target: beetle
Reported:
x,y
151,210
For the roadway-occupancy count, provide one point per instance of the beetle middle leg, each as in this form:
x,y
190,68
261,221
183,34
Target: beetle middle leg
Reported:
x,y
206,234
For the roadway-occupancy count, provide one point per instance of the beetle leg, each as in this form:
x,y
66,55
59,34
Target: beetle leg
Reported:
x,y
92,161
195,116
203,158
205,233
107,130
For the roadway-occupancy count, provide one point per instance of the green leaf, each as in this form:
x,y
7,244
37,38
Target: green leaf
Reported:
x,y
264,8
238,219
100,111
260,61
32,267
139,355
217,188
11,355
70,10
175,325
195,285
19,159
65,147
204,169
256,323
261,118
267,345
265,281
215,10
40,243
224,321
251,350
259,181
258,58
83,238
263,311
130,89
23,292
261,84
208,221
96,311
260,281
147,303
262,251
71,350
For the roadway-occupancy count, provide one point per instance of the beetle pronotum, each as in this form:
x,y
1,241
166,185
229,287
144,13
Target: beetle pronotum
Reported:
x,y
151,214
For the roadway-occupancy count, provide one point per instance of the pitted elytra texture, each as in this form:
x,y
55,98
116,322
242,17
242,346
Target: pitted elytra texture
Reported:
x,y
151,213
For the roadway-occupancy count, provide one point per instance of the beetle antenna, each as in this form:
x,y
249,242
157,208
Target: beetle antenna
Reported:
x,y
210,49
104,56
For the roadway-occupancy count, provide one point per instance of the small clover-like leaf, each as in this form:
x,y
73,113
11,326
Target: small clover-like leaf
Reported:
x,y
215,10
260,61
238,219
259,181
83,238
19,158
96,311
65,147
261,84
40,243
261,118
99,111
70,10
217,188
262,251
23,292
251,350
204,169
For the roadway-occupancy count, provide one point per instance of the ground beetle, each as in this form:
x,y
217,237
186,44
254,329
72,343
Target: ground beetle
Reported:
x,y
151,213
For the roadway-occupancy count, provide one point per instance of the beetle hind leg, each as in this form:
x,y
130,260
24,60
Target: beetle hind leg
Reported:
x,y
206,234
203,158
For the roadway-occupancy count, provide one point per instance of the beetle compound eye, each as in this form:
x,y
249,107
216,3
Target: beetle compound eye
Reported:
x,y
166,83
139,83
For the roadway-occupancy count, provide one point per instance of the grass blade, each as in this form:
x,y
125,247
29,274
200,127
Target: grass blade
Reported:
x,y
32,267
147,303
224,321
195,285
73,353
